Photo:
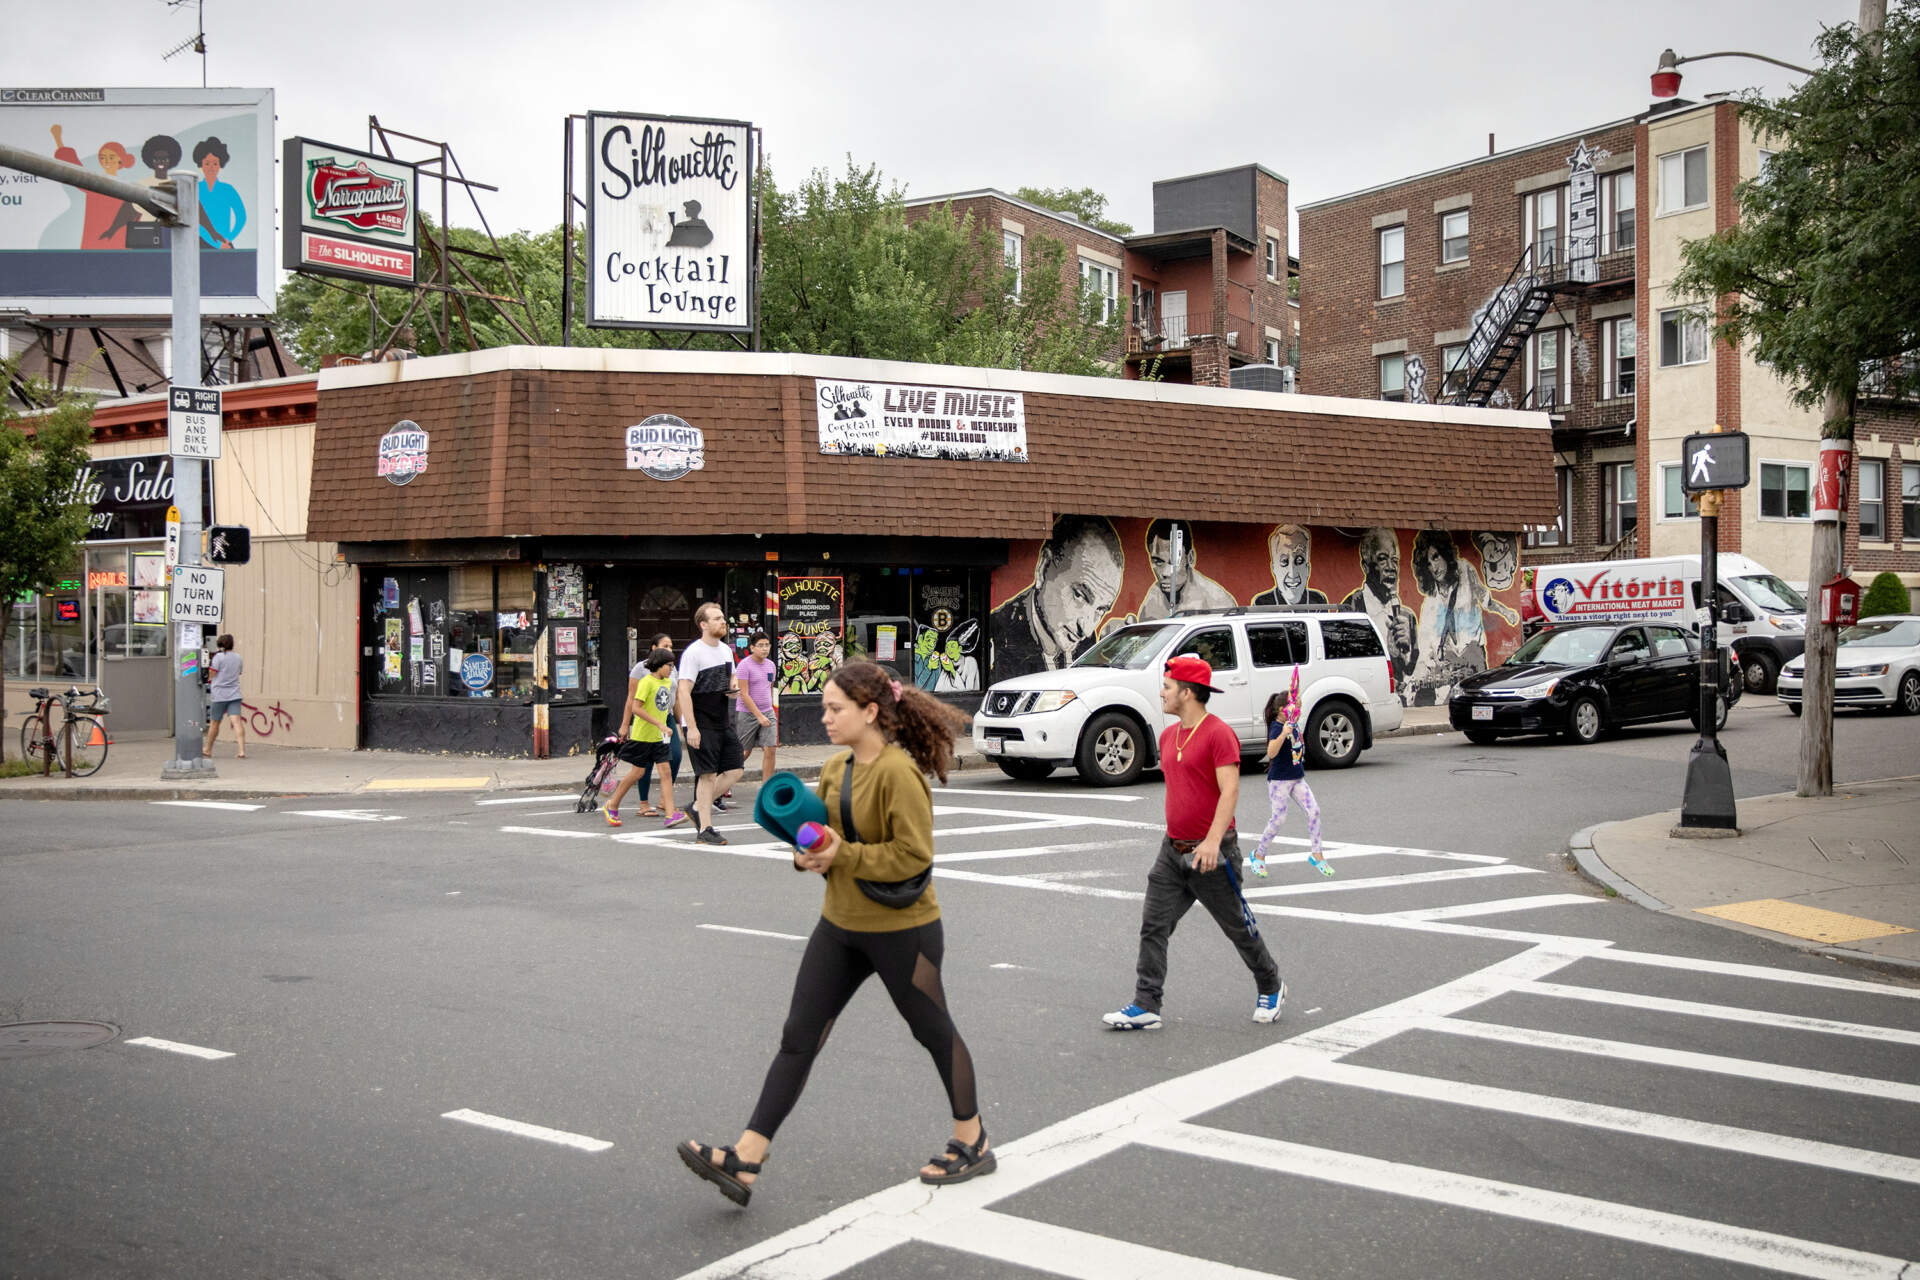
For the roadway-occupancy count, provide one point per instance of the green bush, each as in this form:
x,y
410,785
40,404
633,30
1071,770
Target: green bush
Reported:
x,y
1885,595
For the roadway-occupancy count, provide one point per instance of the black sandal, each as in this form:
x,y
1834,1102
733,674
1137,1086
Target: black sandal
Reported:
x,y
962,1161
699,1158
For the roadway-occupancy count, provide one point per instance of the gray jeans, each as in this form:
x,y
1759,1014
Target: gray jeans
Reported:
x,y
1171,889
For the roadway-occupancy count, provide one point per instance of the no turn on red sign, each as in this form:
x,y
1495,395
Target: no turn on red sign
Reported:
x,y
199,592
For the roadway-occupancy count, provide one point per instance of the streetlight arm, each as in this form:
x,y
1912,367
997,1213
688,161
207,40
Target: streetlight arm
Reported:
x,y
155,200
1701,57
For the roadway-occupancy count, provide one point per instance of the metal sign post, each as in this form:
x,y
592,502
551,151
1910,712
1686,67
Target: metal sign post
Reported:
x,y
189,715
1710,463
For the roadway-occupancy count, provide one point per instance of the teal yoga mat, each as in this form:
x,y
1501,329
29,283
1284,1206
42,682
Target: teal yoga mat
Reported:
x,y
784,803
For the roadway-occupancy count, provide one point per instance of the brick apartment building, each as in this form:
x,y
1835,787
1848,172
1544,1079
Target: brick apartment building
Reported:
x,y
1205,292
1395,278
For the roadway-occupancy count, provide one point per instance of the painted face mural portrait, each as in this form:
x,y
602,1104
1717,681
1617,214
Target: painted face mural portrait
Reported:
x,y
1499,557
1453,637
1076,580
1379,595
1290,553
1177,584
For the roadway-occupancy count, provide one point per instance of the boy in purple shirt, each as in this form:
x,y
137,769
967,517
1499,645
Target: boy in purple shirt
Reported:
x,y
753,716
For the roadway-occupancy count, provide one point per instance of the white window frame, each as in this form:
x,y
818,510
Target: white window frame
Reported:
x,y
1623,484
1541,234
1397,235
1689,321
1447,356
1787,466
1461,237
1674,164
1560,532
1689,504
1612,185
1610,357
1563,360
1012,255
1397,361
1272,349
1874,495
1103,282
1273,258
1909,501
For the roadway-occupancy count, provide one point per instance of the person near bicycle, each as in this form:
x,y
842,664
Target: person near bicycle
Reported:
x,y
223,676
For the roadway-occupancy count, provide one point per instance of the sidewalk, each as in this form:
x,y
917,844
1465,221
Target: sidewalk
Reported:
x,y
1839,876
132,771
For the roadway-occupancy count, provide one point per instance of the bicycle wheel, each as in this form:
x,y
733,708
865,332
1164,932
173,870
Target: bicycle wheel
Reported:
x,y
30,739
90,743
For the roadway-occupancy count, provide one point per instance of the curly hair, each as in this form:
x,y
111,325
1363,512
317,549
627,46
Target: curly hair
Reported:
x,y
914,719
1434,540
212,147
160,152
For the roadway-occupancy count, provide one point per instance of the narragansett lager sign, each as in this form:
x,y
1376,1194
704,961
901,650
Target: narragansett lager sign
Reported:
x,y
669,223
349,213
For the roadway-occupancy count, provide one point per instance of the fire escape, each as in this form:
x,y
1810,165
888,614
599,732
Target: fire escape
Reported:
x,y
1547,269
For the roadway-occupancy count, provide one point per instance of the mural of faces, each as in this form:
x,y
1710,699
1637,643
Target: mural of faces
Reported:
x,y
1499,557
1290,552
1077,582
1380,562
1171,571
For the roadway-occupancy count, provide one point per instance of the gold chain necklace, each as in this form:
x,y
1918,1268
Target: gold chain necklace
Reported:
x,y
1179,746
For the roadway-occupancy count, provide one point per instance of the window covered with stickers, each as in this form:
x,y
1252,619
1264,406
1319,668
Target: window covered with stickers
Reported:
x,y
475,631
924,623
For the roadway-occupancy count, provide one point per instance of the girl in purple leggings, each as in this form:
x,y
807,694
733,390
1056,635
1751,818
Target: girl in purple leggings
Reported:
x,y
1287,779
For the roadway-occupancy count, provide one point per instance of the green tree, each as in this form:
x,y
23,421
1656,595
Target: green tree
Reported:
x,y
42,519
1885,594
1085,204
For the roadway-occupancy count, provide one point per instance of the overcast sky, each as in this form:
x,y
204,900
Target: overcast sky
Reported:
x,y
1335,96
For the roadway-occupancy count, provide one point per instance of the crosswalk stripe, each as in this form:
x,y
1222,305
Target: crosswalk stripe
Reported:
x,y
1064,819
1064,1251
1729,969
1655,1227
557,832
348,815
1333,850
1644,1124
1724,1012
231,805
1497,906
1386,882
1656,1055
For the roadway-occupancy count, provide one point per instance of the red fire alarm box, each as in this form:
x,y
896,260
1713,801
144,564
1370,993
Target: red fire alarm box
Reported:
x,y
1840,602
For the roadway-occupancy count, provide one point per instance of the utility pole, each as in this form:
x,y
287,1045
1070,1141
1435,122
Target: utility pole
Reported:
x,y
189,723
1836,423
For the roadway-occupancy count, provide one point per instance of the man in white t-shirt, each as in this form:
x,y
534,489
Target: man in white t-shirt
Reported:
x,y
707,687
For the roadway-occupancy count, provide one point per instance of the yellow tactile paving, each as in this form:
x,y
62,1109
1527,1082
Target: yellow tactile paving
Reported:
x,y
428,784
1812,923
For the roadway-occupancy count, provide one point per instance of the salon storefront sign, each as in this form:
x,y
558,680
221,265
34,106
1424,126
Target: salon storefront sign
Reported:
x,y
403,452
886,419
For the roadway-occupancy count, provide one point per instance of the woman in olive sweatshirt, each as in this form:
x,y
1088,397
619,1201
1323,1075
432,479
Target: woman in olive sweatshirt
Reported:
x,y
896,735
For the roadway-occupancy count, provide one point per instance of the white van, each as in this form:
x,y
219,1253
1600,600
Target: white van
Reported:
x,y
1762,618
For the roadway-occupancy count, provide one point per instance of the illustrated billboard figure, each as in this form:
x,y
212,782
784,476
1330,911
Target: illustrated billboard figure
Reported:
x,y
1076,580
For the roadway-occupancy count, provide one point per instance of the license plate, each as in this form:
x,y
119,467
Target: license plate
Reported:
x,y
1483,713
993,746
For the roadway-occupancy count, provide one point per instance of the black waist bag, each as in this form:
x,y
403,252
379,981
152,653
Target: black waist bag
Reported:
x,y
897,894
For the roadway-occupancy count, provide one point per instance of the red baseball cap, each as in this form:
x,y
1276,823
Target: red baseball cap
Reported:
x,y
1189,669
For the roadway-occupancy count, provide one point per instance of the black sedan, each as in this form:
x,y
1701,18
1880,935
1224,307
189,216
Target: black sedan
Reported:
x,y
1582,680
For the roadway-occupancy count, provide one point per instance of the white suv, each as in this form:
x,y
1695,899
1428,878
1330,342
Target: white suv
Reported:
x,y
1102,714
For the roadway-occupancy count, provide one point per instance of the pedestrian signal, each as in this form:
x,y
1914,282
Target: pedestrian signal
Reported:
x,y
229,544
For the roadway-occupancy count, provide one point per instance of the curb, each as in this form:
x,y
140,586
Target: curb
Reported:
x,y
1591,867
1416,731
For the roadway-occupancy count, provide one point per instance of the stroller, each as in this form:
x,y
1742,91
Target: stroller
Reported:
x,y
606,759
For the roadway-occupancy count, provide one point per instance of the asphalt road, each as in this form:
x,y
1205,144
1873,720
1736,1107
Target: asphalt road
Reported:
x,y
1485,1066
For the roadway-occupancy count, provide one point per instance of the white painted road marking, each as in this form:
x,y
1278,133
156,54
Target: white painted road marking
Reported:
x,y
1498,906
535,799
1389,882
174,1046
232,805
1725,1012
348,815
755,933
1033,795
552,831
1064,1251
521,1129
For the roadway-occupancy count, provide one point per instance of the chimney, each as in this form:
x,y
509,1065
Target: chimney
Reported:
x,y
1489,144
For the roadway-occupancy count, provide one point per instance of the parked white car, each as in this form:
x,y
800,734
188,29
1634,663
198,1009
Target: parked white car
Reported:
x,y
1877,665
1102,714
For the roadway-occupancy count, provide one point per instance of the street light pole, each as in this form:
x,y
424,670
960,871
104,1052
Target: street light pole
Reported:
x,y
188,717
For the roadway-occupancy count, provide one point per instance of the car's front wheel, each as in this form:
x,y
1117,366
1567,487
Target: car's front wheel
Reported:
x,y
1794,707
1333,734
1719,711
1908,697
1585,721
1025,770
1113,751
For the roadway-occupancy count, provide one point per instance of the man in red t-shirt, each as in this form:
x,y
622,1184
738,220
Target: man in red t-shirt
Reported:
x,y
1199,859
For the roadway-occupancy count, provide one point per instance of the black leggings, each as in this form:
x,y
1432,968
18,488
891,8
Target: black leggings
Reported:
x,y
836,962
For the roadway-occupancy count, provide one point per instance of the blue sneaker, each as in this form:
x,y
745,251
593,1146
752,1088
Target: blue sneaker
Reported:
x,y
1314,860
1257,865
1132,1018
1267,1007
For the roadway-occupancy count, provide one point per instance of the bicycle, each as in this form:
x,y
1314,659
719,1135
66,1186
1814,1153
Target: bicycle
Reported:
x,y
82,742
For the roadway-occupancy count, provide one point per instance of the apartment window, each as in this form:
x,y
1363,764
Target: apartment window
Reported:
x,y
1617,195
1010,254
1683,338
1273,351
1683,180
1910,501
1785,491
1393,377
1101,282
1454,369
1547,369
1766,161
1873,500
1453,236
1619,347
1556,534
1542,210
1623,500
1393,261
1273,258
1675,502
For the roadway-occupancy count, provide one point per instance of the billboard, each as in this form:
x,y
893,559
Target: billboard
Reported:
x,y
69,252
348,213
669,223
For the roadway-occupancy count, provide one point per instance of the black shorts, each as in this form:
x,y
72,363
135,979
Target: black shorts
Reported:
x,y
719,749
643,755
